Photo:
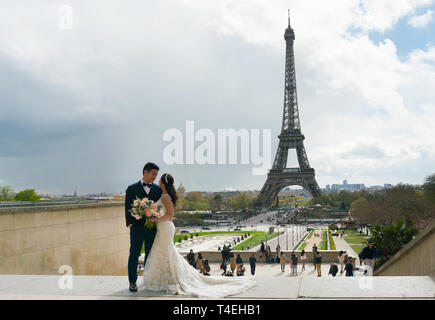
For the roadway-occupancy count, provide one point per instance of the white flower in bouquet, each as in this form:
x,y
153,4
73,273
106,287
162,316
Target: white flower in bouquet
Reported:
x,y
146,208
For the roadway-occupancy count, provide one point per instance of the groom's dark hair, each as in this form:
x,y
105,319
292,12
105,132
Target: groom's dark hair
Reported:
x,y
150,166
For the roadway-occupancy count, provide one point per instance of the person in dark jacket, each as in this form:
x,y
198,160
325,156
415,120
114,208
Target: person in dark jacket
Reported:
x,y
226,254
349,268
252,262
224,267
239,259
262,248
191,258
314,255
369,255
223,252
333,269
294,266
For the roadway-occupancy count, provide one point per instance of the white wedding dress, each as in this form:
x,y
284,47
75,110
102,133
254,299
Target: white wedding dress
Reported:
x,y
166,270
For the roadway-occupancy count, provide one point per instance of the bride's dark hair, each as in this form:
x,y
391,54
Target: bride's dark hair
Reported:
x,y
168,181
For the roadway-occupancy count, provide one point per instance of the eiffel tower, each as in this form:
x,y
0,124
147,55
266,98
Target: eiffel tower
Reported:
x,y
291,137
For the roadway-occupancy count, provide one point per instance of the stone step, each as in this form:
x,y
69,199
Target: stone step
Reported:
x,y
116,287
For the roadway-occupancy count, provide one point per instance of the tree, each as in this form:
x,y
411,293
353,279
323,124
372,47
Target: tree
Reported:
x,y
429,188
7,193
403,201
195,200
390,238
361,211
27,195
218,200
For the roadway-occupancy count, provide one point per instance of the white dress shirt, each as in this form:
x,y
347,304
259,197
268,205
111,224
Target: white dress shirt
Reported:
x,y
146,188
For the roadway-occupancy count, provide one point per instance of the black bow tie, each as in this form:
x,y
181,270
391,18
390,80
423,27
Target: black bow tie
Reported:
x,y
147,184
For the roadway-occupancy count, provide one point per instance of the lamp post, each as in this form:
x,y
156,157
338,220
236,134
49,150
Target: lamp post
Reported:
x,y
286,239
278,235
266,239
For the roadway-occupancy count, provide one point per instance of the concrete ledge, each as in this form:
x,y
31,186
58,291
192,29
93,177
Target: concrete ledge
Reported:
x,y
116,287
61,207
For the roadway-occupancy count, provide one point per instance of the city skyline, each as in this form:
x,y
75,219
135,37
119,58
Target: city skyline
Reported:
x,y
230,189
85,106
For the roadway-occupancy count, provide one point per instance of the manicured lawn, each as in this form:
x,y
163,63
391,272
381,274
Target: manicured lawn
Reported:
x,y
310,234
182,235
301,243
324,244
355,240
304,202
304,244
331,242
256,240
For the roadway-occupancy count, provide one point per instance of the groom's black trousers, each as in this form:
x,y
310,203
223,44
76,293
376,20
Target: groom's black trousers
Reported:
x,y
139,234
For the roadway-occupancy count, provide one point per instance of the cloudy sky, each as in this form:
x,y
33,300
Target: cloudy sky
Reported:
x,y
88,88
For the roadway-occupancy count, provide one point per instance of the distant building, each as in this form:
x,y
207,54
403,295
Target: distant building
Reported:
x,y
345,186
181,189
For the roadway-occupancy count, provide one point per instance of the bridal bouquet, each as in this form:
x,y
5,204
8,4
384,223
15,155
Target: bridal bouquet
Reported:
x,y
146,208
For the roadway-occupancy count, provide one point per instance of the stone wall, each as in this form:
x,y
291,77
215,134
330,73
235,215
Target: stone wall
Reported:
x,y
417,258
91,238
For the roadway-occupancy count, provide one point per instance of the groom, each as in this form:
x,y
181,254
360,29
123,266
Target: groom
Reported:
x,y
138,232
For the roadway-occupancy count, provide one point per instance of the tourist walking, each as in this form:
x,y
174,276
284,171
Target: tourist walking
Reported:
x,y
252,262
282,261
333,269
303,258
224,267
369,255
349,268
294,260
314,256
223,252
341,260
318,262
226,254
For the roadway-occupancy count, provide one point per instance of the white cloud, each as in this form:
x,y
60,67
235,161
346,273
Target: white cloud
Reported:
x,y
364,112
421,21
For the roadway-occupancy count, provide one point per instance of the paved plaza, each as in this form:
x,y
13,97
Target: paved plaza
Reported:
x,y
273,286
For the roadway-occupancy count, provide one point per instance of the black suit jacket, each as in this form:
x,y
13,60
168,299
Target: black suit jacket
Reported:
x,y
137,190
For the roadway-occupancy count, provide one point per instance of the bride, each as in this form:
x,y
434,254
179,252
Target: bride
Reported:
x,y
166,270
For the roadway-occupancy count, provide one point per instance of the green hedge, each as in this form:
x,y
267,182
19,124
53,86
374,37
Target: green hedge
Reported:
x,y
324,245
256,240
331,242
